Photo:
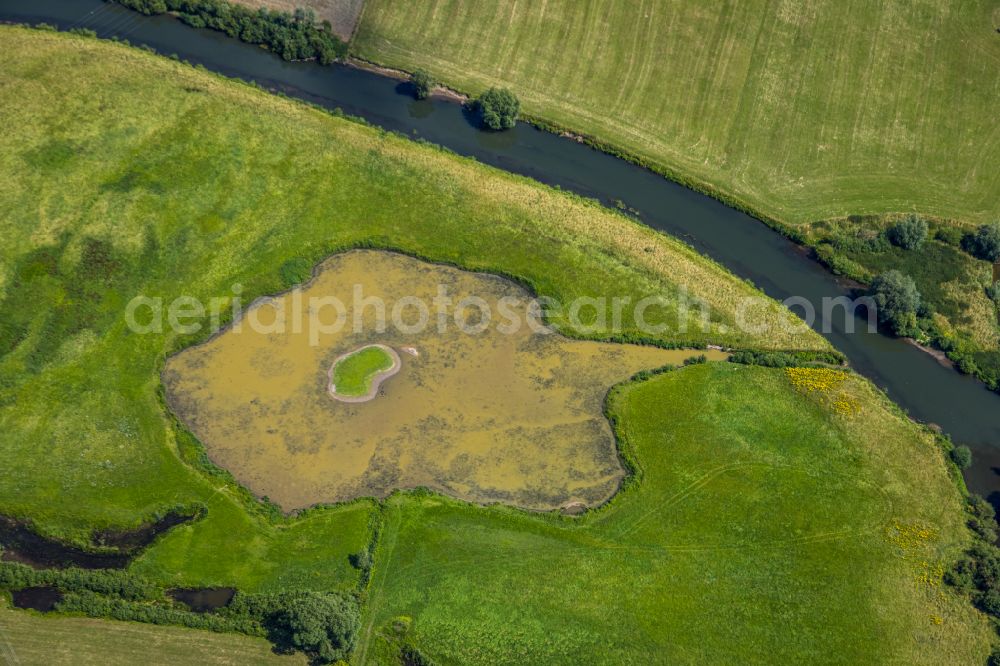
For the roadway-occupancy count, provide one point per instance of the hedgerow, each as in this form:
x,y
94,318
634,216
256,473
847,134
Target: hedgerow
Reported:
x,y
294,36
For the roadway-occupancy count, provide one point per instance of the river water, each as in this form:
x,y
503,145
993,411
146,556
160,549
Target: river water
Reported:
x,y
928,390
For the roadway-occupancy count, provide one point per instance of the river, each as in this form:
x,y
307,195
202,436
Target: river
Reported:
x,y
928,390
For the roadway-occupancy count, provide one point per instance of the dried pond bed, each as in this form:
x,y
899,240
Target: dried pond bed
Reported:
x,y
493,417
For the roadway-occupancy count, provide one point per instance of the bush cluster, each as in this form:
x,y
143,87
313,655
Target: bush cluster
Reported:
x,y
773,359
984,243
950,236
324,626
909,234
898,301
110,582
295,271
498,109
961,456
411,656
978,572
422,84
293,36
96,605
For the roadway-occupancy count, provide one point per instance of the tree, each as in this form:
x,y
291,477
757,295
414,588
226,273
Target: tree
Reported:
x,y
321,625
897,300
498,108
985,243
422,84
909,234
961,456
361,560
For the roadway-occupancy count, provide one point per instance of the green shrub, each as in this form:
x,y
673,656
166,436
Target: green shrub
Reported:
x,y
897,300
950,236
498,108
835,258
961,456
984,243
323,625
983,518
362,560
993,291
909,234
978,571
115,583
772,359
193,20
422,84
696,360
94,605
411,656
967,365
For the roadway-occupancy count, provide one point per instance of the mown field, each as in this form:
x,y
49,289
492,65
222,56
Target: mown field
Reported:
x,y
772,524
137,175
27,639
766,521
802,110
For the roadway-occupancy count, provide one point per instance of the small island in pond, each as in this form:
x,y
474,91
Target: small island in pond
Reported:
x,y
357,375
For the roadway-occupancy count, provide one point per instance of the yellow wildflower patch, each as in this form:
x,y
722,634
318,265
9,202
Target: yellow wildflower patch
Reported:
x,y
914,542
826,382
810,380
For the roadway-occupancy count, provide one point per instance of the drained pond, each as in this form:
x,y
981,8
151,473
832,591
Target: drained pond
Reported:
x,y
480,412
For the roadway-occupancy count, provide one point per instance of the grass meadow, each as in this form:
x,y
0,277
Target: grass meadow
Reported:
x,y
802,111
772,523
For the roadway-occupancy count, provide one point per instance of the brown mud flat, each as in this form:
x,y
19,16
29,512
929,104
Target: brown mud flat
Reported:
x,y
494,417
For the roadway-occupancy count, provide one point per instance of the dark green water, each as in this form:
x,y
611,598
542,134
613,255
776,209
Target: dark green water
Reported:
x,y
929,391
